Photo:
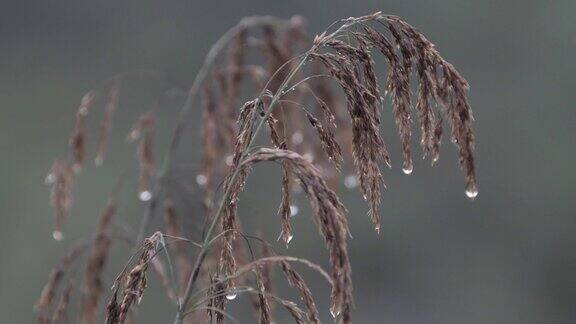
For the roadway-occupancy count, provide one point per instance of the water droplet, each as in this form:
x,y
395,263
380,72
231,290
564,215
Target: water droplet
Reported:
x,y
201,180
289,238
472,192
83,111
296,189
134,135
308,157
229,160
145,195
407,168
231,296
294,210
297,138
50,178
57,235
351,181
334,312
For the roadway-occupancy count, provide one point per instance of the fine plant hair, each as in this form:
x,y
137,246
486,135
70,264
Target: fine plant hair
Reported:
x,y
267,92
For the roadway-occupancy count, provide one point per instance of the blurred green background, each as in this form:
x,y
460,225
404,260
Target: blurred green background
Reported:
x,y
507,257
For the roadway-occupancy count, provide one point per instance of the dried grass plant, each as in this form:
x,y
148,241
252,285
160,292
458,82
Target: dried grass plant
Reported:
x,y
320,102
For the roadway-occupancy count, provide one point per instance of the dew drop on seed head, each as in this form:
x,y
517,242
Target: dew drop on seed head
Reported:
x,y
407,169
229,160
296,189
83,111
351,181
50,178
289,238
231,296
134,135
145,195
472,192
201,180
334,312
297,138
57,235
294,210
308,157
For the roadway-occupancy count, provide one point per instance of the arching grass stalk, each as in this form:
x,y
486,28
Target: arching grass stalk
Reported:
x,y
344,53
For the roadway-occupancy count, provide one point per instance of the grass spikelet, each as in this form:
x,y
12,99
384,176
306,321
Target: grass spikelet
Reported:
x,y
263,305
329,216
77,142
296,281
217,301
61,312
111,106
60,177
328,140
236,58
93,285
211,148
367,144
230,219
143,132
56,276
134,283
284,210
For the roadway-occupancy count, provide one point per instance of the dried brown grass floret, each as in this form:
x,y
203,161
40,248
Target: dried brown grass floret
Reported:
x,y
60,177
329,216
93,282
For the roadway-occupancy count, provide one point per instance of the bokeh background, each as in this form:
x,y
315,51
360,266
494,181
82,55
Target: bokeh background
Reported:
x,y
507,257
